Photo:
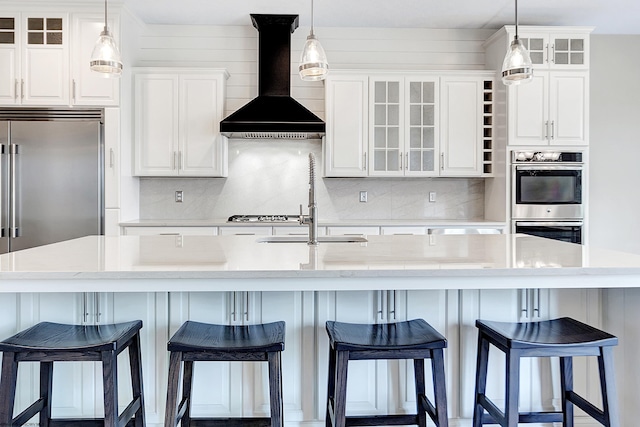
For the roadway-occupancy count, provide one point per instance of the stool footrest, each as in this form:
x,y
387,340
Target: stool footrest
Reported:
x,y
428,407
495,415
231,422
381,420
28,413
586,406
79,422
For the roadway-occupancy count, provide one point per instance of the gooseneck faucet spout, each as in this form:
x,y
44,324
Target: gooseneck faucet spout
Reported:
x,y
312,217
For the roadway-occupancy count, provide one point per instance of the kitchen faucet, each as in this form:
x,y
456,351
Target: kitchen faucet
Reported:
x,y
312,217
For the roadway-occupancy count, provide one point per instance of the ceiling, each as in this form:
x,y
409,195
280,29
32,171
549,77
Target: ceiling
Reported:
x,y
607,16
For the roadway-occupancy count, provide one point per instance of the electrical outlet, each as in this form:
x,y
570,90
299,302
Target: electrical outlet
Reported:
x,y
432,196
179,196
363,197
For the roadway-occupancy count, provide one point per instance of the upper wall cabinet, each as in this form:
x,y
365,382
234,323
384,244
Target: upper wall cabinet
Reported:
x,y
553,109
177,122
34,59
555,49
44,60
407,124
89,87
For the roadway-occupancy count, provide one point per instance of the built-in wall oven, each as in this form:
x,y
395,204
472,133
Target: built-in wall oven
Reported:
x,y
547,194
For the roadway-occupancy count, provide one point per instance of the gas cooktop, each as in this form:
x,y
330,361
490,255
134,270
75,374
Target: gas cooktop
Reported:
x,y
263,218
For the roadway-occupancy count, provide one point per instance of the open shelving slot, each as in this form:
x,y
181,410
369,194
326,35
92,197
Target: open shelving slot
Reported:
x,y
487,128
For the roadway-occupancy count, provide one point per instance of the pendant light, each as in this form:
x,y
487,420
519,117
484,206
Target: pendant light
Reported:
x,y
105,58
517,67
313,61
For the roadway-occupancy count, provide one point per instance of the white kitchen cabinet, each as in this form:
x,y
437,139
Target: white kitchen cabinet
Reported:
x,y
242,388
34,48
408,124
461,130
177,116
89,87
346,140
553,109
171,231
555,48
403,124
245,230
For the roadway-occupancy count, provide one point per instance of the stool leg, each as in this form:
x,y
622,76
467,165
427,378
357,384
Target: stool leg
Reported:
x,y
187,388
331,385
482,363
46,385
608,386
439,387
340,397
175,362
566,385
8,380
275,388
135,362
110,384
513,388
418,368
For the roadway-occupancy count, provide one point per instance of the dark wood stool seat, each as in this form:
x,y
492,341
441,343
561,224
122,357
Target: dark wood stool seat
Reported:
x,y
563,338
196,341
47,343
413,339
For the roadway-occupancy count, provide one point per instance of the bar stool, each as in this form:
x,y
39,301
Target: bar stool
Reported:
x,y
413,339
197,342
564,338
47,343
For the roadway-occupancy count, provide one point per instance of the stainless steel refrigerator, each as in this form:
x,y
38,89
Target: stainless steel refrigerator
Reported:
x,y
51,176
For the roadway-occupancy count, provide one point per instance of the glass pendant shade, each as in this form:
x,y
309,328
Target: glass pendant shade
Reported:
x,y
313,61
105,57
517,67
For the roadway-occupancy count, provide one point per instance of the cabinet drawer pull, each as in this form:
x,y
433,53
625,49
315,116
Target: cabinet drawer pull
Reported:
x,y
365,161
111,158
553,129
73,90
22,88
441,161
17,89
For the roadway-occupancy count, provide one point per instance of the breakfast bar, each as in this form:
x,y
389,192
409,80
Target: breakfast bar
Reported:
x,y
449,280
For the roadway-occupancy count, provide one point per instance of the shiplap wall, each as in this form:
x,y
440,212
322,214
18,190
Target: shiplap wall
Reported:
x,y
235,48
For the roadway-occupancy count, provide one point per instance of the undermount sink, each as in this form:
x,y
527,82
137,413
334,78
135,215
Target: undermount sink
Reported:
x,y
305,239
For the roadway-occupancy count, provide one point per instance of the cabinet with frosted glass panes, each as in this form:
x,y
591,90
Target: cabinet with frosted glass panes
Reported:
x,y
555,48
34,58
428,125
403,125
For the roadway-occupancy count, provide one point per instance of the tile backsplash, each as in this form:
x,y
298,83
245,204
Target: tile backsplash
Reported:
x,y
272,177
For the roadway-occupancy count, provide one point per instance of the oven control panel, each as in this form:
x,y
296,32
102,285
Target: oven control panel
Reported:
x,y
546,156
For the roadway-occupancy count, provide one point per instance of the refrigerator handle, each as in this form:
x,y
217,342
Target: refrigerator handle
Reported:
x,y
13,195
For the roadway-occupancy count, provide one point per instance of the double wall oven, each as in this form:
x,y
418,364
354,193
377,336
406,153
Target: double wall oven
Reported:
x,y
547,194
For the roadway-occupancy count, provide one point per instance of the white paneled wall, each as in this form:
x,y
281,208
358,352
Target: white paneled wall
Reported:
x,y
235,48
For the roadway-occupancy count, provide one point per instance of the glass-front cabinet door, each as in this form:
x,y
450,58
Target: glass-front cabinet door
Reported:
x,y
557,51
386,144
422,123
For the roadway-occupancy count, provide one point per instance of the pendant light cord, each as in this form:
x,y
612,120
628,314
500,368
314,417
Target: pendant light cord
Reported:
x,y
106,27
311,17
516,37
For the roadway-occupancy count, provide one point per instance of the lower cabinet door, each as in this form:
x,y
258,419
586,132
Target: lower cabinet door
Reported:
x,y
367,379
151,308
225,399
439,308
296,309
74,388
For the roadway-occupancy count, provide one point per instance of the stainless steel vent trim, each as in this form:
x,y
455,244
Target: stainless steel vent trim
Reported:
x,y
51,114
276,135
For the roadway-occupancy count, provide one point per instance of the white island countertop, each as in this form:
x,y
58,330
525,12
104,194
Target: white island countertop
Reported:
x,y
222,263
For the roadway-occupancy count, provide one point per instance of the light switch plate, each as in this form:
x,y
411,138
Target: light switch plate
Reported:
x,y
363,197
432,196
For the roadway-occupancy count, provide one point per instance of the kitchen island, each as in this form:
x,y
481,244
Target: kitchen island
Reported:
x,y
450,280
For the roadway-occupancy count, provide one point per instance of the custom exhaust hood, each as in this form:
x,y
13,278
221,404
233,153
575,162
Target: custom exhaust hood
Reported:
x,y
273,114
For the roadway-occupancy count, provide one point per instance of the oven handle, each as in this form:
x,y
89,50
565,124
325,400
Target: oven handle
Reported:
x,y
549,168
549,223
